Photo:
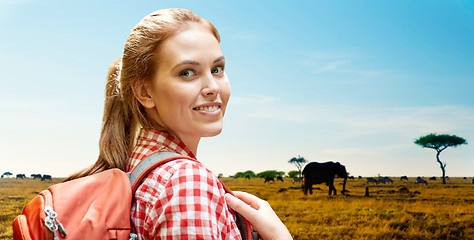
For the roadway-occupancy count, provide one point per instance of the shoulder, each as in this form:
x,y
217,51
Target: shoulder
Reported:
x,y
179,168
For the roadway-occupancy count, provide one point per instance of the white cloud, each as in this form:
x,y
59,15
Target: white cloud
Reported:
x,y
344,152
347,63
410,119
358,119
331,66
321,55
252,100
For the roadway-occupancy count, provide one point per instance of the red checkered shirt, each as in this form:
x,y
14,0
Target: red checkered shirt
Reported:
x,y
180,199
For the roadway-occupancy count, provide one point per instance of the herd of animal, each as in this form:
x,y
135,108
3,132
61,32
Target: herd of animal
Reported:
x,y
317,173
35,176
271,179
385,180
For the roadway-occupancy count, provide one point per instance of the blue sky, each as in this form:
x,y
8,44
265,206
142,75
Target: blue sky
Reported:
x,y
349,81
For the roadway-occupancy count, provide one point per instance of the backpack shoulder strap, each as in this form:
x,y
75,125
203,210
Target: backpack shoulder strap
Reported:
x,y
150,163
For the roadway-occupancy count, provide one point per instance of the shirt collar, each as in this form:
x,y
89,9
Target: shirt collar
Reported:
x,y
151,141
164,141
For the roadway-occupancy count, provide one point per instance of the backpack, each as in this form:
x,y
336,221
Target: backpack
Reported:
x,y
93,207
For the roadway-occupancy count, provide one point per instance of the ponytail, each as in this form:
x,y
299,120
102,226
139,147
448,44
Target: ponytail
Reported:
x,y
118,128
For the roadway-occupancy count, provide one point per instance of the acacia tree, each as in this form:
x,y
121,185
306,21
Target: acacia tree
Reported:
x,y
439,143
299,162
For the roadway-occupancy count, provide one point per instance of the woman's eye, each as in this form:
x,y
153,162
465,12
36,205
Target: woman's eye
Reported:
x,y
218,69
187,73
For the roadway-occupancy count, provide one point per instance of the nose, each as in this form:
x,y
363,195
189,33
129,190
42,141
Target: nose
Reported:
x,y
210,86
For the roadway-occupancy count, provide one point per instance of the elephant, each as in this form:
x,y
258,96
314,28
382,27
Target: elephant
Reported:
x,y
316,173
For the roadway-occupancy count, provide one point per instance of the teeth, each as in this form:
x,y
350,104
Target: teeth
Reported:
x,y
208,109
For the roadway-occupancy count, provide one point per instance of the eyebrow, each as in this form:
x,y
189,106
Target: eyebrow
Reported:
x,y
190,62
219,59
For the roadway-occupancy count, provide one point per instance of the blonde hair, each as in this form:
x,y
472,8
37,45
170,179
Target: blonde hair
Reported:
x,y
123,113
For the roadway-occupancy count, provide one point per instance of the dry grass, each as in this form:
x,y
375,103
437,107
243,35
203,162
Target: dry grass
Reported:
x,y
436,212
14,194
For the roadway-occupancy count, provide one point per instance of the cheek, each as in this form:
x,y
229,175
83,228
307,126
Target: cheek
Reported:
x,y
176,100
225,92
171,101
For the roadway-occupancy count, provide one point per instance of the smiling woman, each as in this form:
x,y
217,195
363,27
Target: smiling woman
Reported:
x,y
190,90
168,91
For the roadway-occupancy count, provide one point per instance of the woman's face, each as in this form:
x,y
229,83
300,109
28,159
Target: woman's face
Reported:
x,y
190,88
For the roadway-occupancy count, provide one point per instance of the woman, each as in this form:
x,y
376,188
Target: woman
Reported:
x,y
167,91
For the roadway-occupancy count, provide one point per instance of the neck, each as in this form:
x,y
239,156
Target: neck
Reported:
x,y
190,141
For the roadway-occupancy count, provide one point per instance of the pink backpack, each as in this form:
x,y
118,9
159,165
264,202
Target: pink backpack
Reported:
x,y
92,207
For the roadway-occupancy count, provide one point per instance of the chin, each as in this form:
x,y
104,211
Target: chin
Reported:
x,y
212,132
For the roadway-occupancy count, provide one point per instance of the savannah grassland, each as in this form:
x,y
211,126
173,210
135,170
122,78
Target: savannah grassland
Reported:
x,y
435,211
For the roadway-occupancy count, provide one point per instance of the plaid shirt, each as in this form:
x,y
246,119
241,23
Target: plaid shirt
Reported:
x,y
180,199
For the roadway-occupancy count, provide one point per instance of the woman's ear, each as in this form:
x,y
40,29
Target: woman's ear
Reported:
x,y
141,91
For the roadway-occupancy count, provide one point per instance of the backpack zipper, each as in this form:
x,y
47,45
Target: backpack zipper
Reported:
x,y
52,222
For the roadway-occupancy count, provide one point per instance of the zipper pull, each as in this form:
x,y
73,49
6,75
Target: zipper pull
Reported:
x,y
61,229
50,219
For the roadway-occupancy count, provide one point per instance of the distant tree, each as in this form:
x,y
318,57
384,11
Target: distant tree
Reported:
x,y
239,175
246,174
293,174
249,173
299,163
220,175
270,173
439,143
7,174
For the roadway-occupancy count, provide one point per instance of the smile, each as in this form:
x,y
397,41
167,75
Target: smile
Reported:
x,y
208,108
